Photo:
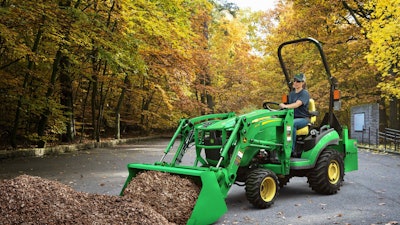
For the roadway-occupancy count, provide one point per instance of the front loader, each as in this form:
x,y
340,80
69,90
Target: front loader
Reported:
x,y
255,149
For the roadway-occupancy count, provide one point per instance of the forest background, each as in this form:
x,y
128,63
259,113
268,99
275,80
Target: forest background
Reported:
x,y
73,70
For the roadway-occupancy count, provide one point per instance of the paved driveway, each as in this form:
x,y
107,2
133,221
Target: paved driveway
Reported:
x,y
370,195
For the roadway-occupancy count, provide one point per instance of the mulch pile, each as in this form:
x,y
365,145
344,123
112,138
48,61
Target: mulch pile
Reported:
x,y
151,198
170,195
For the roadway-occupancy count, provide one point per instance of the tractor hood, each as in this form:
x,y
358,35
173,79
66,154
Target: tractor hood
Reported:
x,y
218,124
230,123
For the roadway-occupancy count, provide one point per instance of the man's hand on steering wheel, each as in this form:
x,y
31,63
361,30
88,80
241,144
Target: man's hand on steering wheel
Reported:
x,y
267,105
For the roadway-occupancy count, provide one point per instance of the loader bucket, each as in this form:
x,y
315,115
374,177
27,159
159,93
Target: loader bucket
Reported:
x,y
210,204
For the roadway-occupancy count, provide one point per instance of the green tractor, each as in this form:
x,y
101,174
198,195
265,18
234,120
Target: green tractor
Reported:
x,y
255,149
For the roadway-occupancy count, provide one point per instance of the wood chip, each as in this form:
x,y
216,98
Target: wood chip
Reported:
x,y
34,200
170,195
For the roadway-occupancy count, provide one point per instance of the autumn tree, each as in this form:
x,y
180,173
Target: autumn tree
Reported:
x,y
382,30
165,42
26,29
234,66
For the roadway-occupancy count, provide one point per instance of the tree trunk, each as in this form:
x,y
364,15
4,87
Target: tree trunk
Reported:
x,y
203,101
96,68
50,90
84,111
44,117
118,126
394,120
102,102
206,97
94,96
210,102
67,98
144,119
383,120
118,108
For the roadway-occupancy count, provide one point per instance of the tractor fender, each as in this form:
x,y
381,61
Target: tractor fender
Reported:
x,y
326,138
312,140
334,141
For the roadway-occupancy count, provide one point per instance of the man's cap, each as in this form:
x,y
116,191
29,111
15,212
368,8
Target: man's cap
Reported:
x,y
300,77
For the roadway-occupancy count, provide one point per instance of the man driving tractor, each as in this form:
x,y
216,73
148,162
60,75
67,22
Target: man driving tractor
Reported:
x,y
298,100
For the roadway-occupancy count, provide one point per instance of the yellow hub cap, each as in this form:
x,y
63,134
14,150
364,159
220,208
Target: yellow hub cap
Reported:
x,y
333,172
268,189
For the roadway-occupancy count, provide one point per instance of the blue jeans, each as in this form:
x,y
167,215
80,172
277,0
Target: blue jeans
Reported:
x,y
298,123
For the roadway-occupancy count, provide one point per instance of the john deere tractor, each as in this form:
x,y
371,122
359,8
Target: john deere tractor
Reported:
x,y
255,149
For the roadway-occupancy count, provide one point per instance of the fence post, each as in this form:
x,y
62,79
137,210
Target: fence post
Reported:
x,y
385,139
369,136
362,136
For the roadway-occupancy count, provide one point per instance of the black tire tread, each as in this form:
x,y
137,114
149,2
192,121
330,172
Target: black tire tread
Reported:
x,y
318,177
253,187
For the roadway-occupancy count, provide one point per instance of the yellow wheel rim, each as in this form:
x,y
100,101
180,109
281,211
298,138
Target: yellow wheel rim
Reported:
x,y
333,172
268,189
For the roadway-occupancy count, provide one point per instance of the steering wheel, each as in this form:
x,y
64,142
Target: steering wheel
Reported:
x,y
267,105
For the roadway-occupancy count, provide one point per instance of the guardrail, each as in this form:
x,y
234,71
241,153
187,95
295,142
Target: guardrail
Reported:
x,y
390,136
388,139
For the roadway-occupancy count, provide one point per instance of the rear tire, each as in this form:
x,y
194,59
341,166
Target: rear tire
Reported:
x,y
262,188
327,175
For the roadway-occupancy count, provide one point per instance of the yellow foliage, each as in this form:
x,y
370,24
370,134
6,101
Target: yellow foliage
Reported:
x,y
166,99
383,31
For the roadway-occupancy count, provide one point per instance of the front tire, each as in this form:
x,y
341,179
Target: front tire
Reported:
x,y
327,175
262,188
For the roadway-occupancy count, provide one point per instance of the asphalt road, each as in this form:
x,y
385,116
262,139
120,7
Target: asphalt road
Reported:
x,y
369,196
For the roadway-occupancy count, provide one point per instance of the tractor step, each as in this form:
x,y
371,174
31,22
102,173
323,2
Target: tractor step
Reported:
x,y
299,164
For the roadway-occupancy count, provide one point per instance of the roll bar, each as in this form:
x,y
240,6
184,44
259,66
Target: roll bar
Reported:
x,y
332,81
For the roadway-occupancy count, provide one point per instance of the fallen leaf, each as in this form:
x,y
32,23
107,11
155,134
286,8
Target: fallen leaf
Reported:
x,y
392,223
281,214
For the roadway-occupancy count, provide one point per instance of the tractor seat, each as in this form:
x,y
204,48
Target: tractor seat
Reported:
x,y
312,110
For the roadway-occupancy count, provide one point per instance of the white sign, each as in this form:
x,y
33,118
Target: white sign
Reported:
x,y
359,121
